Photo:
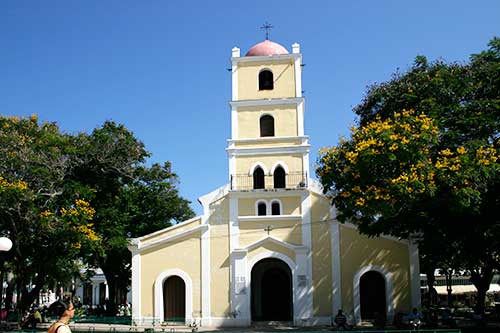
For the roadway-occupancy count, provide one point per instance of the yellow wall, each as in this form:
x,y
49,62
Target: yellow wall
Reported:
x,y
172,231
283,75
269,142
293,162
219,258
253,231
285,120
321,256
358,251
183,254
291,205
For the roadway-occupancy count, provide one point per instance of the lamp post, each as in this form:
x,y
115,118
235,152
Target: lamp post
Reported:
x,y
5,245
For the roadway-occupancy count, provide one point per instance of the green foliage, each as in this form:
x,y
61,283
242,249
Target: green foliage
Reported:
x,y
424,161
71,198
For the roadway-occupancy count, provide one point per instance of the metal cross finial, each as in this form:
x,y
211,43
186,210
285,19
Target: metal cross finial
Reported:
x,y
268,229
267,27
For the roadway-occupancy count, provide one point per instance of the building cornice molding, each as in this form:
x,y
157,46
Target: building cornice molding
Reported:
x,y
274,58
256,244
171,238
284,150
267,102
277,218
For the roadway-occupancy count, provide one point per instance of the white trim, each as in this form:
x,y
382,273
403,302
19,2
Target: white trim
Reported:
x,y
207,199
234,123
266,102
172,227
269,193
234,70
269,217
336,267
271,207
232,166
300,119
255,165
298,71
389,291
158,292
206,277
306,207
296,248
171,238
285,150
279,163
305,164
414,274
136,284
303,138
274,58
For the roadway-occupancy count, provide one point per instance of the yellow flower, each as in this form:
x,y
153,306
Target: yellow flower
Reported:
x,y
461,150
360,202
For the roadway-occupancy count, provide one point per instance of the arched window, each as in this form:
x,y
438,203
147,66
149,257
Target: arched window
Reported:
x,y
279,177
275,208
258,178
266,125
261,209
266,81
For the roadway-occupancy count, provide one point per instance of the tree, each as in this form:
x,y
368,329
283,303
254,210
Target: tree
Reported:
x,y
48,220
424,161
130,199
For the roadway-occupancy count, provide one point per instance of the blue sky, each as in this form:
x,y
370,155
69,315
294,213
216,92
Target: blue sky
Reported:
x,y
159,67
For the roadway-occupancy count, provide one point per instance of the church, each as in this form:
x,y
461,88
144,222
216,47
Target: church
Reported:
x,y
268,247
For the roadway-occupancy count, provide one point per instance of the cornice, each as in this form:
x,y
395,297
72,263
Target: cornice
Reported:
x,y
266,102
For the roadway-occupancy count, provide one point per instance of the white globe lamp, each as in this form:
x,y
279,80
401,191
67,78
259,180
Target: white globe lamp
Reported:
x,y
5,244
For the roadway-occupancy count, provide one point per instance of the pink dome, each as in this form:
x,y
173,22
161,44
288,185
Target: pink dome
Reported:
x,y
266,48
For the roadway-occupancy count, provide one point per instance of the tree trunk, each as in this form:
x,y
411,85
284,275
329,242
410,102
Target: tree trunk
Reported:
x,y
448,275
432,293
481,280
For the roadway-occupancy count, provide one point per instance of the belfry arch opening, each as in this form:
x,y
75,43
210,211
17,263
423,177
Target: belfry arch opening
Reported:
x,y
258,178
372,295
174,299
266,81
271,291
266,125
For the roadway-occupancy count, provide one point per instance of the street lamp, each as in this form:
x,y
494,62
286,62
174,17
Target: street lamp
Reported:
x,y
5,245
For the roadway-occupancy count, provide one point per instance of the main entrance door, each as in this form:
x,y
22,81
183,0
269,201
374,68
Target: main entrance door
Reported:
x,y
271,288
174,299
372,295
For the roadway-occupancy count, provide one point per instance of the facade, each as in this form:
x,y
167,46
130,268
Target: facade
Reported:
x,y
268,247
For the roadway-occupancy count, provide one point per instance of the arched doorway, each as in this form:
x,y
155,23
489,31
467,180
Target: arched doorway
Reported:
x,y
271,288
174,299
372,295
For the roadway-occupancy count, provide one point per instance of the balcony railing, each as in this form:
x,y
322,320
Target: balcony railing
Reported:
x,y
245,182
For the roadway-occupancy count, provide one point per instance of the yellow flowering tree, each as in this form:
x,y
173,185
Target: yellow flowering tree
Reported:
x,y
45,216
424,161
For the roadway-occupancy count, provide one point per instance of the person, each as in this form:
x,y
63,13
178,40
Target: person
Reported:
x,y
341,321
447,319
414,318
65,310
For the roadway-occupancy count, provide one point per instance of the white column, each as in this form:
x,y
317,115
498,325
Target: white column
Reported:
x,y
300,118
414,274
240,289
205,276
234,69
234,123
303,305
136,283
336,276
298,70
304,263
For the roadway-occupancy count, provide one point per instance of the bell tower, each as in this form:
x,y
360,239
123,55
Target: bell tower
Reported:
x,y
270,201
267,120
